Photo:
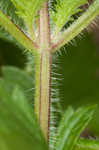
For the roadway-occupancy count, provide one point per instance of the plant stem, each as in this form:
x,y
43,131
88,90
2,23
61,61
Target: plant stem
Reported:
x,y
43,73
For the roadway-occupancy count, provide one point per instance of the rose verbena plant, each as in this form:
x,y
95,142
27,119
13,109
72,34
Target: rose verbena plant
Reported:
x,y
45,27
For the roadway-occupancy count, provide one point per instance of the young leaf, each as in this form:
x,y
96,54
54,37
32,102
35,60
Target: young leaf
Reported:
x,y
8,9
71,127
79,25
64,9
87,144
27,9
18,125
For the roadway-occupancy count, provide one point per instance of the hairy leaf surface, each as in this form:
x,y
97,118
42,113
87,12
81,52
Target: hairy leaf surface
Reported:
x,y
64,9
8,9
27,9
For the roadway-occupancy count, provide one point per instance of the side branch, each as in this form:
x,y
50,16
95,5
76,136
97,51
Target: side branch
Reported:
x,y
17,33
78,26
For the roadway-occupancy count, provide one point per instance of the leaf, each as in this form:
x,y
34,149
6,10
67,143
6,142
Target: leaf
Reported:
x,y
14,76
64,10
27,9
18,126
87,144
78,26
8,8
72,125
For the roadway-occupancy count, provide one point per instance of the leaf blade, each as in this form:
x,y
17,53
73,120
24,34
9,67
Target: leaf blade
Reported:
x,y
64,10
70,130
78,26
87,144
28,11
18,125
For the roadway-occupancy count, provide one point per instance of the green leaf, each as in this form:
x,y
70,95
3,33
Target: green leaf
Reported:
x,y
72,125
78,26
14,76
27,9
87,144
8,8
18,126
64,10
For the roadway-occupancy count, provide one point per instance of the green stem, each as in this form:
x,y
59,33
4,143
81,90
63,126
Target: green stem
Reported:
x,y
42,97
43,73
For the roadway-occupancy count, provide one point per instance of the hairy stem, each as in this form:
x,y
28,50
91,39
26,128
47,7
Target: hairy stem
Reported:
x,y
42,97
43,73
